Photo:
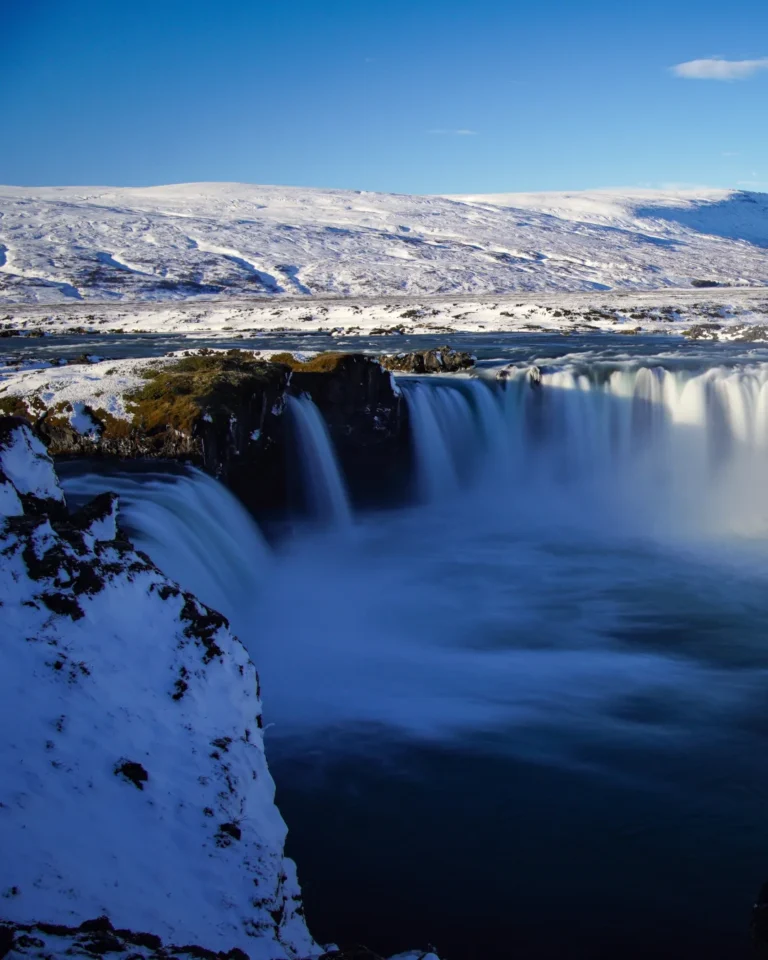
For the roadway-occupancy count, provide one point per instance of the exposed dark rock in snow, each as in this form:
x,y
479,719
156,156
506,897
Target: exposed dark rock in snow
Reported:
x,y
534,376
216,409
511,370
703,331
745,333
28,482
438,360
96,938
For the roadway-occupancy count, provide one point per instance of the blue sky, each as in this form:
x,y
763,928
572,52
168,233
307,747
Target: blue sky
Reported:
x,y
411,96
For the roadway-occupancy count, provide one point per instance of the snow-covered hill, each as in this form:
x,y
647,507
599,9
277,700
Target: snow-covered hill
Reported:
x,y
221,239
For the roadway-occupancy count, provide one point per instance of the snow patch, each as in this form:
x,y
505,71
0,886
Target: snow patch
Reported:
x,y
26,464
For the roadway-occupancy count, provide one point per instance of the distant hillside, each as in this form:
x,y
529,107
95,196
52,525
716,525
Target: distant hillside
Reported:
x,y
222,239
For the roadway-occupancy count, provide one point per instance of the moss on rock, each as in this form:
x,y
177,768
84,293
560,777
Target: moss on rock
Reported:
x,y
177,395
328,362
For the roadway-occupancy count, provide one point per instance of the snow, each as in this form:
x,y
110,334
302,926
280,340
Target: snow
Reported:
x,y
81,420
25,463
103,663
591,206
10,505
665,311
97,385
192,241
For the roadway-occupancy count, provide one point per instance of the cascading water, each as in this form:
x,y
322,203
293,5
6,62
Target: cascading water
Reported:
x,y
670,445
540,627
191,526
323,481
451,425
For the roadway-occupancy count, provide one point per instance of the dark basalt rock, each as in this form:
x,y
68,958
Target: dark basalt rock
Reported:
x,y
703,331
135,773
204,408
534,374
367,418
97,925
103,508
218,410
358,952
6,940
748,333
438,360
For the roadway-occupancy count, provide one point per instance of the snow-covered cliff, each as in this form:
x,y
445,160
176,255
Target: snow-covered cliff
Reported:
x,y
133,782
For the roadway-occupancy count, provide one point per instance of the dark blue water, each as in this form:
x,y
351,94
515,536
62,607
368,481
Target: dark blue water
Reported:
x,y
510,347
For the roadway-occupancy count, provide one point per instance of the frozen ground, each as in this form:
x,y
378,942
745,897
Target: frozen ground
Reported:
x,y
728,313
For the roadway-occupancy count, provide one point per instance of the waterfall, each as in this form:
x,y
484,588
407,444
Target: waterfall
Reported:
x,y
191,526
696,441
323,481
450,423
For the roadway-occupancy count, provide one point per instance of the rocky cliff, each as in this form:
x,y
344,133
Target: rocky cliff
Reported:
x,y
133,782
224,411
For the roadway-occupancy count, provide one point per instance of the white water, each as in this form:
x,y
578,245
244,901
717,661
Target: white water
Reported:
x,y
661,449
578,552
323,482
191,526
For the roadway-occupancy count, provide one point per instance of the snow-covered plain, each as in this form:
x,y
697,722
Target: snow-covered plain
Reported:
x,y
215,255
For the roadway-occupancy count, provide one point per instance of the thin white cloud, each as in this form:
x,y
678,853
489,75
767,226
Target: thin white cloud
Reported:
x,y
717,68
452,133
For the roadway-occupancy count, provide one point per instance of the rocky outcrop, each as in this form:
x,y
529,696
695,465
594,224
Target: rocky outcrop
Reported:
x,y
217,409
438,360
134,785
703,331
366,416
97,937
224,411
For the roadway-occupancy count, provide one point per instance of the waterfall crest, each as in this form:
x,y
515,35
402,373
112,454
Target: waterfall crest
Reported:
x,y
696,442
191,526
